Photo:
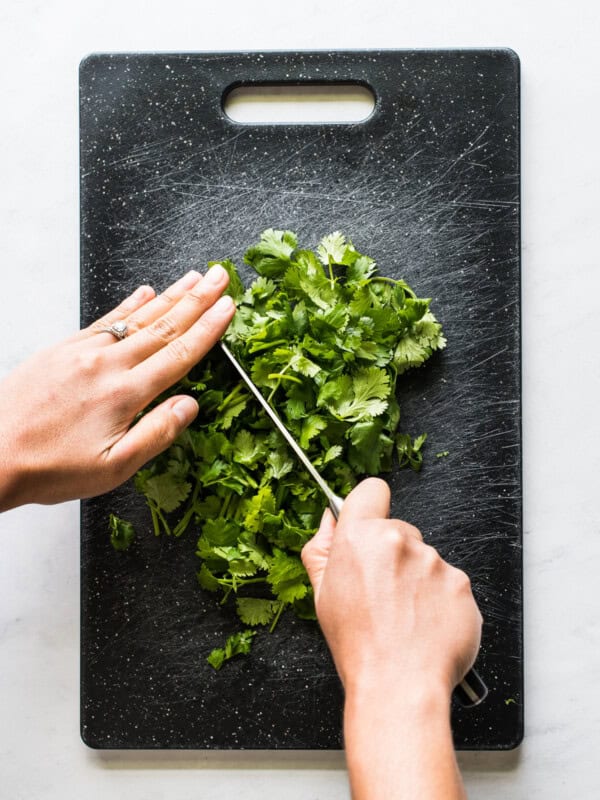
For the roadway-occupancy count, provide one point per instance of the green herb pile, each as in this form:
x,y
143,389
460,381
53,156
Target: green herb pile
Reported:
x,y
325,337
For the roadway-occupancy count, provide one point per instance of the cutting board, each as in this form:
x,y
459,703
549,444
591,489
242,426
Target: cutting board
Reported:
x,y
429,186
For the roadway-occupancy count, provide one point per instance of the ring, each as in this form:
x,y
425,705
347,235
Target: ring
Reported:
x,y
118,329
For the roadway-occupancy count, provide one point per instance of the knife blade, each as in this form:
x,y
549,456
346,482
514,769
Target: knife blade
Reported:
x,y
335,502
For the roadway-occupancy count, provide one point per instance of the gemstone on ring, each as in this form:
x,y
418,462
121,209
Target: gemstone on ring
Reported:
x,y
118,329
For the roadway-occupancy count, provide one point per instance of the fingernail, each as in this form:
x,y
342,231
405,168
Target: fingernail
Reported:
x,y
190,279
224,305
215,274
185,410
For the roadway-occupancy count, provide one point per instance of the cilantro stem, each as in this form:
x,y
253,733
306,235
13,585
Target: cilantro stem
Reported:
x,y
155,521
225,505
226,594
280,376
229,582
158,519
164,522
181,526
256,348
276,618
231,396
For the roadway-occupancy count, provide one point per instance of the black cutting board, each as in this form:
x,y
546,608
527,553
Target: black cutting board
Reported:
x,y
428,186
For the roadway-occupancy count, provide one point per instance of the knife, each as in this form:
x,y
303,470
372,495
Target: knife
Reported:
x,y
471,690
335,502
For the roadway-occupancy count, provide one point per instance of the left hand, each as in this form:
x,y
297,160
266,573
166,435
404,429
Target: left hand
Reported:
x,y
67,413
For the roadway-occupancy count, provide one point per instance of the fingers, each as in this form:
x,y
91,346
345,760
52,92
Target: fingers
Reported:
x,y
139,298
179,355
315,553
369,500
148,313
177,320
152,434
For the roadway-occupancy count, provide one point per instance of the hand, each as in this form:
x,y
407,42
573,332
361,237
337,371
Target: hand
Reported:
x,y
67,413
390,608
403,629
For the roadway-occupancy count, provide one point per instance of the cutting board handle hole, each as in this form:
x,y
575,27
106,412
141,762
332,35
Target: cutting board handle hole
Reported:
x,y
309,103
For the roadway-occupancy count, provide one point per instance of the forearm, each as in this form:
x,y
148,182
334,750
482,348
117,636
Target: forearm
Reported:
x,y
399,744
8,477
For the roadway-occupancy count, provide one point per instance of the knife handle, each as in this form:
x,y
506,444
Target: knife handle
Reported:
x,y
335,504
471,690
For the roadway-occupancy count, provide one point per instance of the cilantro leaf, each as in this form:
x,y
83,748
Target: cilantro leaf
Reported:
x,y
167,491
332,248
256,611
287,576
271,256
358,397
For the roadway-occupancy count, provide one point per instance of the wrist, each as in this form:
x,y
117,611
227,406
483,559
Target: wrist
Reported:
x,y
399,695
401,703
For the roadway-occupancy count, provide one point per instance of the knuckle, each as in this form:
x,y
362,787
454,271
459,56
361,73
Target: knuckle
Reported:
x,y
411,530
197,295
166,297
164,329
431,557
89,362
306,552
135,322
209,328
114,468
179,351
393,536
165,430
121,398
463,582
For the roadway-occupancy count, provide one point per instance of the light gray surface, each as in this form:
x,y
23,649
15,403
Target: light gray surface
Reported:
x,y
41,755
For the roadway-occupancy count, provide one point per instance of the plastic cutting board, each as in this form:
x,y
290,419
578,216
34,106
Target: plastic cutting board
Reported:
x,y
428,186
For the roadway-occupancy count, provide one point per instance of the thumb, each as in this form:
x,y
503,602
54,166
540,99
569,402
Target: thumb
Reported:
x,y
369,500
315,553
153,433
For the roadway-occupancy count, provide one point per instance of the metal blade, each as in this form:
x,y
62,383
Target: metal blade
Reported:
x,y
335,502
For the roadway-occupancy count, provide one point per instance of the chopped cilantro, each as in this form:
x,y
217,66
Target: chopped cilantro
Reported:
x,y
237,644
325,337
122,533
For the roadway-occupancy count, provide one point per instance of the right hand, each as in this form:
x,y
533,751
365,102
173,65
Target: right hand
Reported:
x,y
392,610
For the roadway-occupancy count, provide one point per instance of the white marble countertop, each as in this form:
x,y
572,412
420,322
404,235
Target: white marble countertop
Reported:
x,y
41,754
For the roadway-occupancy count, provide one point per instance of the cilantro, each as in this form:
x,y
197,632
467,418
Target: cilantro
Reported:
x,y
256,611
410,451
167,491
122,533
325,337
237,644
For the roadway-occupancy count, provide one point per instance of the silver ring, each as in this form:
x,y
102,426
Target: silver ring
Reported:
x,y
118,329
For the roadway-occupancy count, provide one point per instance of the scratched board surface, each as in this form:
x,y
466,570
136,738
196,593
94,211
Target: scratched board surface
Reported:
x,y
428,186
